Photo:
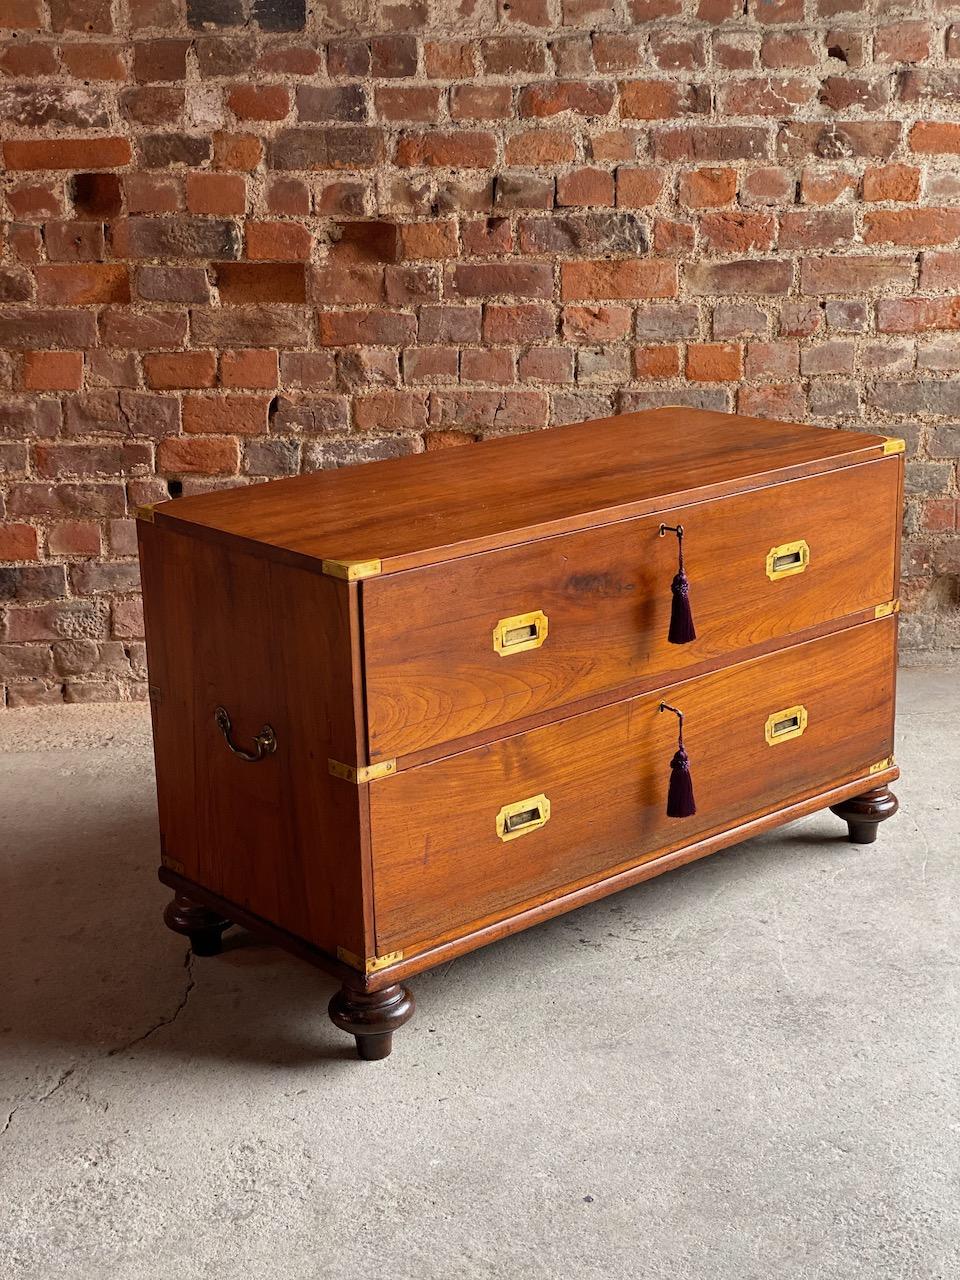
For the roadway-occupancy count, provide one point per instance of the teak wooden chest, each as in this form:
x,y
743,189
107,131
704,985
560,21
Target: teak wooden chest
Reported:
x,y
404,709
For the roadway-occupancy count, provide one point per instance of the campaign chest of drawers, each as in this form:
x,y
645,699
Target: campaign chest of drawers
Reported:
x,y
405,709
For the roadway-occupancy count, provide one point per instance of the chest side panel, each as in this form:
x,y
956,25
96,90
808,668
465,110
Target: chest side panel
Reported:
x,y
441,864
272,645
435,673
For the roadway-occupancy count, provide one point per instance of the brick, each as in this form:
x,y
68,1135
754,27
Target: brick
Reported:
x,y
277,241
846,275
180,369
656,362
611,279
80,15
81,285
710,142
546,364
343,147
461,149
596,323
891,182
154,329
773,359
35,200
940,271
661,99
937,138
557,96
826,186
917,315
478,409
172,284
218,193
307,369
737,232
237,151
322,102
902,42
28,107
16,285
161,59
250,369
393,56
156,105
175,238
842,93
19,542
74,241
522,280
819,229
147,193
352,328
768,187
513,56
708,188
67,153
226,415
747,276
911,226
203,14
585,187
29,327
52,370
766,96
199,455
249,326
86,460
408,102
714,361
530,322
256,282
74,538
480,102
94,61
436,239
540,147
638,187
288,196
837,140
390,409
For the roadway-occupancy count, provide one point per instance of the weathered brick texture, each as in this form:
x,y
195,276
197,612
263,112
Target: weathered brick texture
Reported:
x,y
242,240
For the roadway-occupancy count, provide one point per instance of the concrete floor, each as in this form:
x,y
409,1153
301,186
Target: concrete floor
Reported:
x,y
746,1069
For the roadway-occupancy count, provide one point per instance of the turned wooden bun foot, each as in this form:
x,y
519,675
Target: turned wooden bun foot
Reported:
x,y
202,926
864,813
371,1017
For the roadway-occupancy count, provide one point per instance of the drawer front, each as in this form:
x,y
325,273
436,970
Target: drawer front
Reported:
x,y
589,612
584,796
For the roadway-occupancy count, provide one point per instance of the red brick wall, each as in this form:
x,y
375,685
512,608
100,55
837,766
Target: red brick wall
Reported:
x,y
241,242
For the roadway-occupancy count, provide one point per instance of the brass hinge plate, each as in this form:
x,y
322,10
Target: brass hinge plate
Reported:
x,y
884,610
882,764
173,863
365,773
144,513
351,570
894,445
372,964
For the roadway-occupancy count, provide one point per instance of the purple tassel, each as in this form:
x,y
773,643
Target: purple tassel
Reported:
x,y
682,630
680,800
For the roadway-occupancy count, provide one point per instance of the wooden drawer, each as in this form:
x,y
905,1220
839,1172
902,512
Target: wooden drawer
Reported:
x,y
433,674
440,866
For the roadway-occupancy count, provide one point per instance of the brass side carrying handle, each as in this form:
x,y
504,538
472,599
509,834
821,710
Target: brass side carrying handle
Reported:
x,y
265,742
522,632
522,817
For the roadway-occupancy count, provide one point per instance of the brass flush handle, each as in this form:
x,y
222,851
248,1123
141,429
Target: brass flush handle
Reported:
x,y
522,817
524,631
265,743
788,559
783,725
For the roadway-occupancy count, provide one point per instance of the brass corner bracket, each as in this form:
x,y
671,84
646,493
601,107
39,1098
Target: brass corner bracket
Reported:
x,y
361,773
351,570
884,610
882,764
372,964
144,513
893,444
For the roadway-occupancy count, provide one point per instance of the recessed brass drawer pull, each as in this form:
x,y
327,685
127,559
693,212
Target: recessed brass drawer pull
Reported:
x,y
788,559
786,724
525,631
522,817
265,743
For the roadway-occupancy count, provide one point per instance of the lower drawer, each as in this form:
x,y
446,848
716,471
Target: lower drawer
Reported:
x,y
478,835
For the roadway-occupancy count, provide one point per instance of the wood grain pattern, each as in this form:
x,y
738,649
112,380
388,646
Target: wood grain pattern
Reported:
x,y
280,837
433,507
432,675
439,866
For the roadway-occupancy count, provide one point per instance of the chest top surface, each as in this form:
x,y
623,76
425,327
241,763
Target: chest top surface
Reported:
x,y
435,506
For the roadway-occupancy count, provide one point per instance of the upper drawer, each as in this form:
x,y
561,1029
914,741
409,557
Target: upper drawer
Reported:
x,y
434,672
